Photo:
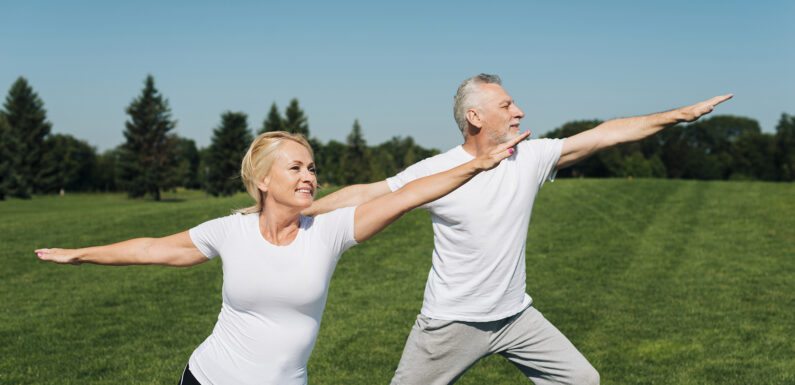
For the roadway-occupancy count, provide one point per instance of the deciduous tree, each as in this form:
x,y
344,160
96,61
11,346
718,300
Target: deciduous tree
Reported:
x,y
187,160
785,147
70,164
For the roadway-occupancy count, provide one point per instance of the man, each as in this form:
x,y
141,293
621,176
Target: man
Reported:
x,y
475,302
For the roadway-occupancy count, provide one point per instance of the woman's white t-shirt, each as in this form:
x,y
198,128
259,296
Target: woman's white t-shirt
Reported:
x,y
273,297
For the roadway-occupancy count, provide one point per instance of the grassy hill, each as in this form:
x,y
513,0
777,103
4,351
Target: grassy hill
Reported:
x,y
655,281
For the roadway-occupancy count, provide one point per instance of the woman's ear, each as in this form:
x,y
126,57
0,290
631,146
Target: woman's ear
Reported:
x,y
264,183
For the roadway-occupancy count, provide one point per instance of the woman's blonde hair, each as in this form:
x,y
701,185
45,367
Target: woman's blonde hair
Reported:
x,y
259,159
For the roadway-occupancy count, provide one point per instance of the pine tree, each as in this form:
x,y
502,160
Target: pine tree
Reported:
x,y
5,158
274,121
356,165
230,142
295,121
147,157
27,119
12,182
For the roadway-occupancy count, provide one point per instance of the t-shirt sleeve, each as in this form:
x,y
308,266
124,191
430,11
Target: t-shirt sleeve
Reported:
x,y
209,236
336,228
545,155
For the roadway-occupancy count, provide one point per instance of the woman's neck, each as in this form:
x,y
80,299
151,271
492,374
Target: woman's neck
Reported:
x,y
279,224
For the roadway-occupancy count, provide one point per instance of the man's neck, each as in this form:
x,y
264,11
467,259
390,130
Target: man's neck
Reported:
x,y
477,145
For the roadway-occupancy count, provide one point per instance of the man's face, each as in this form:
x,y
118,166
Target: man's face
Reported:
x,y
498,115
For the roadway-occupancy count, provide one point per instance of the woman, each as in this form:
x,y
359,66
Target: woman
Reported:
x,y
277,264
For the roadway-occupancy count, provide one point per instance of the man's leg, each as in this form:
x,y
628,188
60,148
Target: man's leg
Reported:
x,y
541,351
439,351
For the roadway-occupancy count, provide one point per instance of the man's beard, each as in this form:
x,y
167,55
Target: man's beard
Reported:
x,y
500,139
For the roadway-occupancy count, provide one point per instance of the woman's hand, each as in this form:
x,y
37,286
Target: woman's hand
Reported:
x,y
498,153
173,250
62,256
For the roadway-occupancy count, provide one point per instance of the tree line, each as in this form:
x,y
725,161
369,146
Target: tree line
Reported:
x,y
720,147
153,158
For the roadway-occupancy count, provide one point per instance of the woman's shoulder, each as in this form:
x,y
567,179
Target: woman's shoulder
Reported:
x,y
229,221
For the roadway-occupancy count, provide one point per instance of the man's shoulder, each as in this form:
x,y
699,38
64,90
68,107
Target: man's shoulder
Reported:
x,y
443,161
543,147
431,165
539,142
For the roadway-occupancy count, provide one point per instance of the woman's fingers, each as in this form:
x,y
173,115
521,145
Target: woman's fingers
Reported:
x,y
515,140
55,255
507,149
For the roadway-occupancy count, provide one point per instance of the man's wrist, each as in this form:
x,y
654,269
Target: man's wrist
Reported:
x,y
678,115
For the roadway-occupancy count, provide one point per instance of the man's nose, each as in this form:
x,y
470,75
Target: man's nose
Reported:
x,y
518,112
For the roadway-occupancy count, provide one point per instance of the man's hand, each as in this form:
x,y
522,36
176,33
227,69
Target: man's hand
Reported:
x,y
691,113
626,130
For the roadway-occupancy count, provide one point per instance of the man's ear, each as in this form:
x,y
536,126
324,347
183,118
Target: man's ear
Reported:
x,y
473,117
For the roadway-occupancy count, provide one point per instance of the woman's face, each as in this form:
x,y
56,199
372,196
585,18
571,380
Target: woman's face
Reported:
x,y
291,180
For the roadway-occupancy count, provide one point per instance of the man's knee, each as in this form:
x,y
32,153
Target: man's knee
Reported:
x,y
585,374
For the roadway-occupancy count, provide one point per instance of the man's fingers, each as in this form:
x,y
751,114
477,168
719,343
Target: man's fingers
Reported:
x,y
720,99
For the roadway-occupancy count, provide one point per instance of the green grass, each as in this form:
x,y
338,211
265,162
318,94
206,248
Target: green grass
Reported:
x,y
655,281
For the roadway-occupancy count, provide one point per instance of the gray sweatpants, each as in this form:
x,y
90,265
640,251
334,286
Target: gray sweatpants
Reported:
x,y
440,351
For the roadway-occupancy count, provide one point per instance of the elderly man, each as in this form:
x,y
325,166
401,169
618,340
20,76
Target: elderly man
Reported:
x,y
475,302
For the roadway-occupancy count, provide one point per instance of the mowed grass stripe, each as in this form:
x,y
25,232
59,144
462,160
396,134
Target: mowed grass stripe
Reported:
x,y
643,311
655,281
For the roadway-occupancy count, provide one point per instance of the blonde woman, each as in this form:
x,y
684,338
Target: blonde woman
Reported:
x,y
277,264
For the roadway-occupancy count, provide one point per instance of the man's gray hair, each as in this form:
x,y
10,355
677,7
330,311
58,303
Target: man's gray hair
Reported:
x,y
466,98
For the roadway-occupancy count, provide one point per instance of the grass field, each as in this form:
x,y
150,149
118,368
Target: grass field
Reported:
x,y
655,281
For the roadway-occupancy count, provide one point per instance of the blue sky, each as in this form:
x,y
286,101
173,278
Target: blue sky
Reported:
x,y
395,65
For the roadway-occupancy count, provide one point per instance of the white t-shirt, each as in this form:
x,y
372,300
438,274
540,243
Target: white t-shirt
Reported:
x,y
480,232
273,297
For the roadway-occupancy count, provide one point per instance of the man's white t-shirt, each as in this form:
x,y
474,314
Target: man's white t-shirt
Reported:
x,y
480,232
273,297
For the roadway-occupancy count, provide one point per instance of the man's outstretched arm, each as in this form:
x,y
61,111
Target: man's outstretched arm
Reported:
x,y
352,195
625,130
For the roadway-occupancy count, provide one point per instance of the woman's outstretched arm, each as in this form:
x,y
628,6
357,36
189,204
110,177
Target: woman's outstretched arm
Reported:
x,y
375,215
173,250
